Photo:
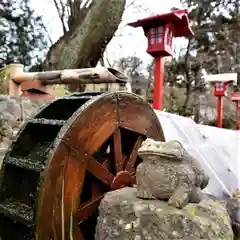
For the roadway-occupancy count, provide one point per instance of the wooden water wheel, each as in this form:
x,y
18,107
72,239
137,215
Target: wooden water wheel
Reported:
x,y
65,158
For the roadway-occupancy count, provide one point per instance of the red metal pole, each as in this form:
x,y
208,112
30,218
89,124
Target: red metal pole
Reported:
x,y
239,120
158,83
220,107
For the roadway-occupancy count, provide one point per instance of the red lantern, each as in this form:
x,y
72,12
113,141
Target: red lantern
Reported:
x,y
220,83
160,40
220,88
160,31
235,97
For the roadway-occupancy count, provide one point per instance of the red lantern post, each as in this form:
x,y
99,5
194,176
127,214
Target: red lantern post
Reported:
x,y
235,97
160,31
220,83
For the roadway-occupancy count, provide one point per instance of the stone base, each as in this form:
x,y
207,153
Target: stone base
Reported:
x,y
123,216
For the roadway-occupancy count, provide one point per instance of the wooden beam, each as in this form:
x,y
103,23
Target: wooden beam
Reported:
x,y
67,76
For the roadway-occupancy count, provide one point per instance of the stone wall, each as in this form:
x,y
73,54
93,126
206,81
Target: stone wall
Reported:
x,y
13,113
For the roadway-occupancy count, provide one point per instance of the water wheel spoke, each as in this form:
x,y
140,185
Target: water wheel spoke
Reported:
x,y
99,171
107,163
77,233
134,177
118,156
125,159
133,156
87,209
95,190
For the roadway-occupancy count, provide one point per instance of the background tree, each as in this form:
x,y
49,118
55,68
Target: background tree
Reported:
x,y
23,37
88,26
134,68
131,65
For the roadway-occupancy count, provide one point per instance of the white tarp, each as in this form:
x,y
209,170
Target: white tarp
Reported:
x,y
217,150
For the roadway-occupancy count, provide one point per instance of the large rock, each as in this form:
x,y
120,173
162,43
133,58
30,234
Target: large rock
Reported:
x,y
124,216
233,207
13,113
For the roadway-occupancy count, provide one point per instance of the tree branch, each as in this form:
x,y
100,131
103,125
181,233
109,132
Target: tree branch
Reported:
x,y
61,14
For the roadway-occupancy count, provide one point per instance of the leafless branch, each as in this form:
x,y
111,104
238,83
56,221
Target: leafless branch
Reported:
x,y
78,10
108,62
61,13
130,4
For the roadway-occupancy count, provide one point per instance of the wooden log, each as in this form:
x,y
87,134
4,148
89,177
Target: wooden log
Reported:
x,y
83,76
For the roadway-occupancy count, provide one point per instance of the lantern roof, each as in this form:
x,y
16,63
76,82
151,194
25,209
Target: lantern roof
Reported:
x,y
235,97
222,77
178,18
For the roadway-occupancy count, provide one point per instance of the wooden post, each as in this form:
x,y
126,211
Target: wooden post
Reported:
x,y
14,88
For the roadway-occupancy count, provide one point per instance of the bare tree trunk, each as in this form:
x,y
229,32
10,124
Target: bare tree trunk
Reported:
x,y
188,82
197,103
84,44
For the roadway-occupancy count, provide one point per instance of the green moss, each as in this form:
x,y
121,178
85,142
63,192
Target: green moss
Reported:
x,y
60,91
217,203
3,80
191,210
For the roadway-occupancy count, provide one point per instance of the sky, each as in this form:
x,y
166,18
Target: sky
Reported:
x,y
128,41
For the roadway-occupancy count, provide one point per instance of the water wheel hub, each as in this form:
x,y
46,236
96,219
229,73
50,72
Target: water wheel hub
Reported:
x,y
122,179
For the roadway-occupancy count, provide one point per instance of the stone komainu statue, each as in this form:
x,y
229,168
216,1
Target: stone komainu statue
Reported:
x,y
168,172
